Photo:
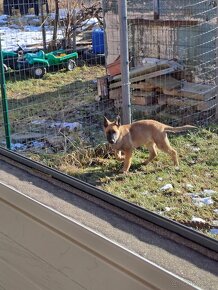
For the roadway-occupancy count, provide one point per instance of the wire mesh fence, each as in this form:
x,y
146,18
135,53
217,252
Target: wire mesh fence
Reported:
x,y
173,59
60,84
51,87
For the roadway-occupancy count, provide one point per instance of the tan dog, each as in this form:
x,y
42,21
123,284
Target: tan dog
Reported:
x,y
152,134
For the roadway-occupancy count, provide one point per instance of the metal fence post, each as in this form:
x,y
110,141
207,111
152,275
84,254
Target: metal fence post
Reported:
x,y
156,4
216,77
4,101
124,55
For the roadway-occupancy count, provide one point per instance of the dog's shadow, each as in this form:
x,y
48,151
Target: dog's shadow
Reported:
x,y
100,176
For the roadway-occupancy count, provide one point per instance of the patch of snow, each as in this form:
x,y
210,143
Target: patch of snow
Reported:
x,y
166,187
208,192
3,19
71,126
193,194
74,126
201,201
38,122
197,219
18,146
195,149
189,186
213,231
38,144
167,208
29,35
215,223
145,192
216,210
31,28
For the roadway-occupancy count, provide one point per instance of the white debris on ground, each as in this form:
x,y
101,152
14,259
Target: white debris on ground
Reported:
x,y
202,198
215,223
189,186
167,208
213,231
208,192
23,147
195,149
166,187
201,201
71,126
197,219
145,192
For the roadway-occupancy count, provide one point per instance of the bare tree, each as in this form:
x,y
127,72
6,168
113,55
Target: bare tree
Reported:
x,y
77,16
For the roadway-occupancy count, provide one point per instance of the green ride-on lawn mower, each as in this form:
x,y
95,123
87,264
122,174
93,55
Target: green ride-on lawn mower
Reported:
x,y
40,62
10,57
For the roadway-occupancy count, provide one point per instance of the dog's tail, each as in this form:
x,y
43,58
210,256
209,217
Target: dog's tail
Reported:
x,y
179,129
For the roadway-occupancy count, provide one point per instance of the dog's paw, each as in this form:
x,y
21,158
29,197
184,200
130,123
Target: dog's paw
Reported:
x,y
123,171
120,158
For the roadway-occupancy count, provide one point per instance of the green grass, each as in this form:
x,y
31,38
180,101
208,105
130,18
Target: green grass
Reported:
x,y
198,167
51,97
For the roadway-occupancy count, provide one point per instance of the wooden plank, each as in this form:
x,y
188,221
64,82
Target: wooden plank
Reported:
x,y
182,102
204,106
166,83
142,100
140,93
115,93
118,103
150,67
164,22
145,77
146,86
149,110
102,86
162,100
199,92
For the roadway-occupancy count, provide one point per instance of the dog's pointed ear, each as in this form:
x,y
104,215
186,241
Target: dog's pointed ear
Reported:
x,y
118,121
106,122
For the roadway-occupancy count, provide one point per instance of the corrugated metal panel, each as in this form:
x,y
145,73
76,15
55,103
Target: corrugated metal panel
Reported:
x,y
42,249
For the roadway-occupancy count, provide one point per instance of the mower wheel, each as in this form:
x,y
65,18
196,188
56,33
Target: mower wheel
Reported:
x,y
70,65
38,71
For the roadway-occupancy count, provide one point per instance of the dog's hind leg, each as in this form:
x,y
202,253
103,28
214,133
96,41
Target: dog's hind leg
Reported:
x,y
164,145
152,152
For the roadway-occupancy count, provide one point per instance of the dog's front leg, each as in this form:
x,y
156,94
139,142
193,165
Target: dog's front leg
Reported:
x,y
127,161
119,155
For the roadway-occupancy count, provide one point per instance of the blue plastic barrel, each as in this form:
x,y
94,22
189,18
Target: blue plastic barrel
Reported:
x,y
98,40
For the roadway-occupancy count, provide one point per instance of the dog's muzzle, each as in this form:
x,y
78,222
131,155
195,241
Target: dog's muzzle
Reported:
x,y
112,138
111,141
